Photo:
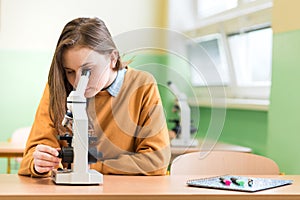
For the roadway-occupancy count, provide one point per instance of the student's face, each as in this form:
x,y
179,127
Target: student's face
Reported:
x,y
77,59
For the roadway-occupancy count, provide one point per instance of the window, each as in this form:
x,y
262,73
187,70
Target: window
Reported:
x,y
207,58
237,36
252,54
208,8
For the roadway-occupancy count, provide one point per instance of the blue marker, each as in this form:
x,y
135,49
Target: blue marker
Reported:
x,y
250,182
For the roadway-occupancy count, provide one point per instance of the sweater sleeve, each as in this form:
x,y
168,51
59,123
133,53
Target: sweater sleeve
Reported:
x,y
42,132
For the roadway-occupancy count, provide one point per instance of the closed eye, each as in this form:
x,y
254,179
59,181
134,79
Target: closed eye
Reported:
x,y
70,71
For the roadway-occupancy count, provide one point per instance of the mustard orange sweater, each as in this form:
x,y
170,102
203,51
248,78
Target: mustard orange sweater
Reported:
x,y
131,129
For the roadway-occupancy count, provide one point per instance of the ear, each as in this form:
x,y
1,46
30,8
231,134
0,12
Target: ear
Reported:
x,y
114,58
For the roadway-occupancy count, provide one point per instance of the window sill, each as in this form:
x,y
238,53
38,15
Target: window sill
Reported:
x,y
231,103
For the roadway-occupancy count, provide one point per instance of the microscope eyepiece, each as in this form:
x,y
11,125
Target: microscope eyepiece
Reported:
x,y
86,72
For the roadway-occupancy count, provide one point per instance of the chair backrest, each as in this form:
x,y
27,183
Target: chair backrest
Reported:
x,y
20,135
223,162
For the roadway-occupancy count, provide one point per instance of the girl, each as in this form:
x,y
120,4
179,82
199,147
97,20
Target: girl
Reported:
x,y
124,107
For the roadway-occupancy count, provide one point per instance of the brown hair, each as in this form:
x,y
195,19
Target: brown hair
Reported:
x,y
85,32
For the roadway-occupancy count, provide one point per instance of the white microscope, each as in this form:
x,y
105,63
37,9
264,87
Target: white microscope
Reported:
x,y
77,153
184,138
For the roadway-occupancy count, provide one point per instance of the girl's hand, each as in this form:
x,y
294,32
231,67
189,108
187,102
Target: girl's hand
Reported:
x,y
45,158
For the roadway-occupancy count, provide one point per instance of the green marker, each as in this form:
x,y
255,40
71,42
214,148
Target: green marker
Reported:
x,y
237,181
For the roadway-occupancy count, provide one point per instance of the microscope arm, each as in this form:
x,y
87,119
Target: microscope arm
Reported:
x,y
179,95
185,119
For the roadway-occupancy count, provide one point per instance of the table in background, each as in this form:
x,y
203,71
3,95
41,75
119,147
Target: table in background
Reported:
x,y
135,187
10,150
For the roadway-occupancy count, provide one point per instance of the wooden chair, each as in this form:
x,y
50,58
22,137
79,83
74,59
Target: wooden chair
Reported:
x,y
223,162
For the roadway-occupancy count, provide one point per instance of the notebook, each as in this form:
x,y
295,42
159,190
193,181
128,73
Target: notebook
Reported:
x,y
238,183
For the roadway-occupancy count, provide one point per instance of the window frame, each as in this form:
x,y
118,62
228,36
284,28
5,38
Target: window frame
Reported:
x,y
210,37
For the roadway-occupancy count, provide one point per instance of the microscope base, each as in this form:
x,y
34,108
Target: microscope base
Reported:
x,y
92,177
184,143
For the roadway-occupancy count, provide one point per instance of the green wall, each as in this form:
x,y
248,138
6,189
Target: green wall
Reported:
x,y
284,118
23,78
242,127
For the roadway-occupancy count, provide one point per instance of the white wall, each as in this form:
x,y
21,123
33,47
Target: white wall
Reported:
x,y
37,24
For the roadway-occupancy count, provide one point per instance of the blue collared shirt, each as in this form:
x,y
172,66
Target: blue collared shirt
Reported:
x,y
115,87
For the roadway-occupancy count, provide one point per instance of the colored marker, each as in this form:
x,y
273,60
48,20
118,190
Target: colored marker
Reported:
x,y
237,181
225,181
250,182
